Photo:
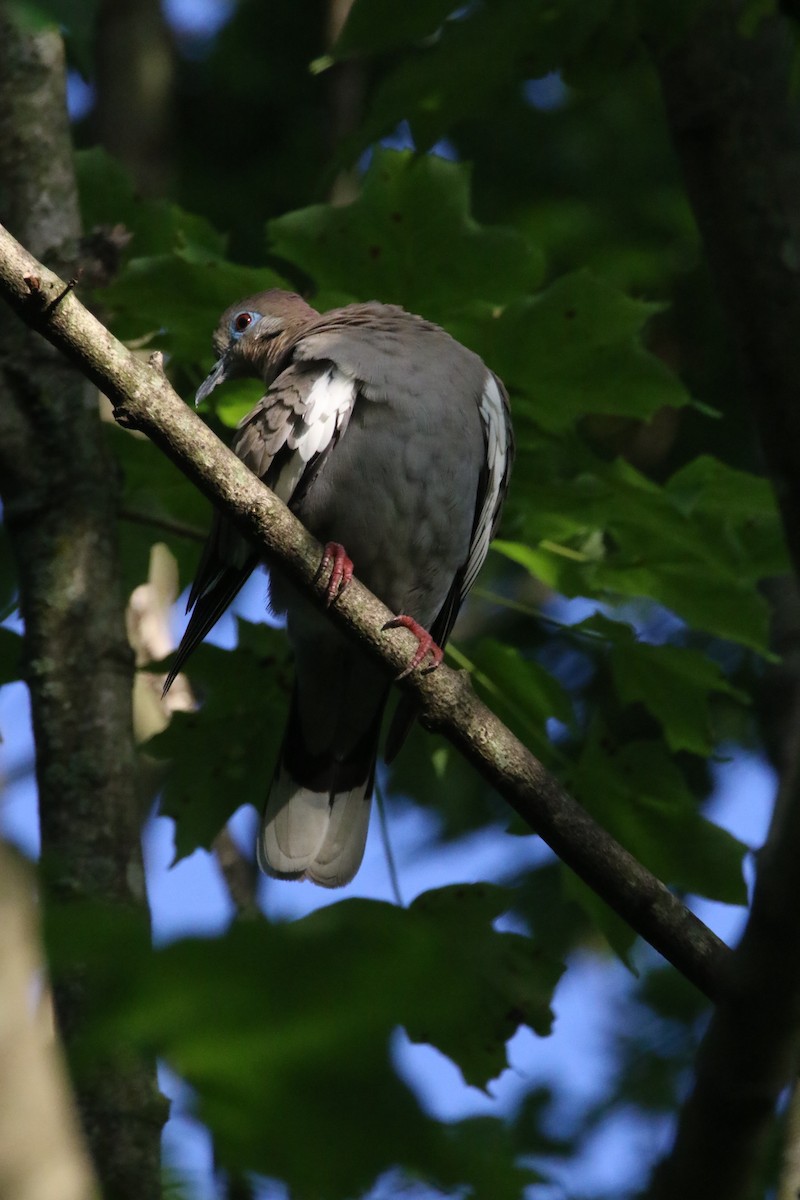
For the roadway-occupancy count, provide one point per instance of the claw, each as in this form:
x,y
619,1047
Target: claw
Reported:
x,y
335,560
425,645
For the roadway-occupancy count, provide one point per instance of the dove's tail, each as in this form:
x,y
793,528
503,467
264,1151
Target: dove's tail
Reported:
x,y
317,814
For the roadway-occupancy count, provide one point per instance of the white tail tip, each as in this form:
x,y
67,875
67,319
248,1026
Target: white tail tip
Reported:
x,y
313,835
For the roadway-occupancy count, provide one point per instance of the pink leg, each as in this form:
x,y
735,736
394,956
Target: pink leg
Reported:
x,y
335,560
425,645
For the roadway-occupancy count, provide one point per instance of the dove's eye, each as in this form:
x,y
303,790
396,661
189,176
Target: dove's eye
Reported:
x,y
241,323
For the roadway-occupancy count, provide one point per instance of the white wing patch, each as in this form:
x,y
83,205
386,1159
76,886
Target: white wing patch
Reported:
x,y
496,428
325,413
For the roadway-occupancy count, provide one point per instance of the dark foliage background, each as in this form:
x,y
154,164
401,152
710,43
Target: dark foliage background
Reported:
x,y
505,169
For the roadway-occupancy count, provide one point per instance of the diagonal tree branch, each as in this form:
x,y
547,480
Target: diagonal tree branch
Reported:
x,y
143,399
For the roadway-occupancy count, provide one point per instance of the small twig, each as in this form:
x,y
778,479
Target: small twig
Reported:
x,y
240,874
536,614
165,524
69,286
391,864
34,284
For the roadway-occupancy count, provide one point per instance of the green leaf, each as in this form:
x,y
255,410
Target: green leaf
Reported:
x,y
108,199
574,350
31,15
556,920
174,282
676,685
709,485
223,756
235,399
502,982
618,933
740,504
751,15
374,26
244,1019
607,531
473,61
522,693
153,486
485,1149
175,300
10,656
157,502
639,794
411,211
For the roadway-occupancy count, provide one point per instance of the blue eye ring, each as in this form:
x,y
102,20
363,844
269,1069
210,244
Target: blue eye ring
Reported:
x,y
241,322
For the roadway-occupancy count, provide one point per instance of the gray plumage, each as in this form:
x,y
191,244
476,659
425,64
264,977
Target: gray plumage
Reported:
x,y
388,437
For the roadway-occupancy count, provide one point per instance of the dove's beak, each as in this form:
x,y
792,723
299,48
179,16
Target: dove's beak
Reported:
x,y
219,374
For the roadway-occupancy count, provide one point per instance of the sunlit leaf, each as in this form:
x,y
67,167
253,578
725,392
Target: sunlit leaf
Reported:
x,y
607,531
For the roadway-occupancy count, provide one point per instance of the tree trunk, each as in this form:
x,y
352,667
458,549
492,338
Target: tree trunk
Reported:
x,y
60,491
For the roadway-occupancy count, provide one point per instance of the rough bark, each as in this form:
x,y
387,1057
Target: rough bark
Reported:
x,y
734,121
144,400
59,491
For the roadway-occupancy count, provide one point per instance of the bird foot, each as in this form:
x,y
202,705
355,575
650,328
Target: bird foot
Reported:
x,y
425,645
336,561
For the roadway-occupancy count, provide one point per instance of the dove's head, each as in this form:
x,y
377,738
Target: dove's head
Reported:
x,y
252,336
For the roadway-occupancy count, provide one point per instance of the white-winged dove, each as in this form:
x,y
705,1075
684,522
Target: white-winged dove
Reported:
x,y
389,440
